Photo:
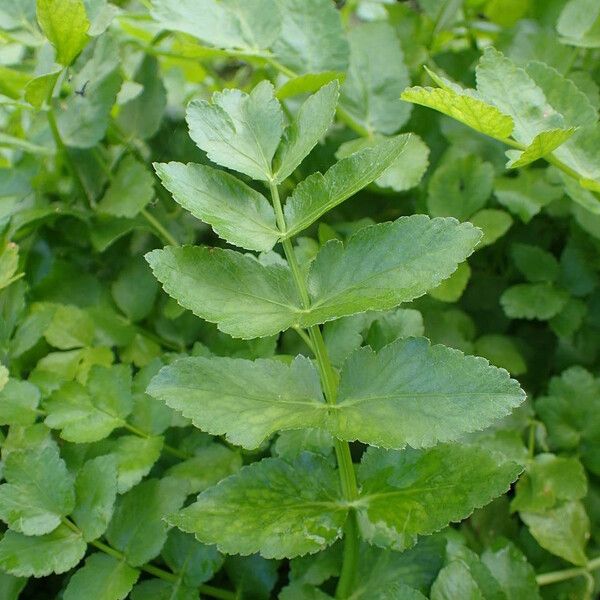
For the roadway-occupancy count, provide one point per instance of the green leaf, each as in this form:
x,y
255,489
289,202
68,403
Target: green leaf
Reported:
x,y
412,492
134,291
311,38
237,130
246,400
272,507
543,143
533,301
416,394
249,25
365,275
70,327
88,414
102,578
18,402
536,264
244,297
307,84
319,193
372,88
493,222
96,491
451,289
38,493
571,414
578,23
237,213
137,528
157,589
460,187
11,586
131,188
65,24
308,127
501,351
563,530
38,556
135,457
463,107
456,581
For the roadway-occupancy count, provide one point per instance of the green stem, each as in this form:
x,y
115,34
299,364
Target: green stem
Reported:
x,y
163,233
329,381
209,590
305,338
556,576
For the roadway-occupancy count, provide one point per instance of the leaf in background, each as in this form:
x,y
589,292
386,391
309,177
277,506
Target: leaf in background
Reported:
x,y
236,212
70,327
460,187
9,263
65,24
38,493
414,492
272,507
157,589
249,25
533,301
365,275
319,193
247,401
371,91
493,222
310,124
311,38
416,394
535,263
18,402
501,351
237,130
131,188
90,413
135,457
96,491
578,23
102,578
134,290
542,145
137,528
307,84
455,580
38,556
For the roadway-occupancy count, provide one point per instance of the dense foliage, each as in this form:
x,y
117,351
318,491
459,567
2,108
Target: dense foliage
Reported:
x,y
300,300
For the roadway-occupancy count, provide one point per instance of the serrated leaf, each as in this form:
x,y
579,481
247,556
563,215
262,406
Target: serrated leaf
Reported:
x,y
65,24
236,212
493,222
246,400
38,493
307,84
533,301
96,491
371,91
147,504
311,38
456,581
535,263
543,143
102,578
18,402
563,530
38,556
413,492
308,127
272,507
70,327
131,188
416,394
463,107
237,130
90,413
135,457
248,25
319,193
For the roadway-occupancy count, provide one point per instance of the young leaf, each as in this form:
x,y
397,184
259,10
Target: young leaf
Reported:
x,y
237,213
39,556
416,394
147,504
371,91
135,457
463,107
237,130
310,125
319,193
409,493
102,578
272,507
96,491
248,25
543,143
311,38
38,493
533,301
246,400
365,275
244,297
65,24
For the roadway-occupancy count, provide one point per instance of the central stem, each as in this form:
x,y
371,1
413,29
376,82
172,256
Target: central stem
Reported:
x,y
329,382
